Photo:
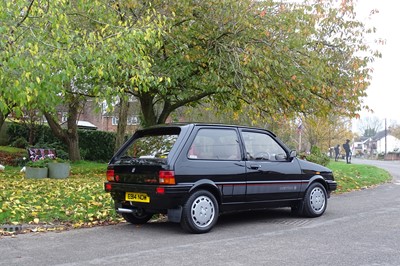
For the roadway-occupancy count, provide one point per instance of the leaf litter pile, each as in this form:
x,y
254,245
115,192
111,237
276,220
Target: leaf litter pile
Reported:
x,y
34,205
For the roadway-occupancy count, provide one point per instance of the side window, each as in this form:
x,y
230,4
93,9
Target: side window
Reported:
x,y
261,146
215,144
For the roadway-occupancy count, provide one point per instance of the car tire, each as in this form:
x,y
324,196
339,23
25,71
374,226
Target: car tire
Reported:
x,y
297,209
315,200
138,217
200,212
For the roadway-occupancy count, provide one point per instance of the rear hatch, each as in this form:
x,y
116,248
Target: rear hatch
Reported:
x,y
145,157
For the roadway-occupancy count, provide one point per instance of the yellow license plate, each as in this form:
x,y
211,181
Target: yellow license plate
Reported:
x,y
138,197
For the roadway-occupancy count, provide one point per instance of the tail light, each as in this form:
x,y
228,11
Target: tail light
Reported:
x,y
108,187
160,190
166,177
110,175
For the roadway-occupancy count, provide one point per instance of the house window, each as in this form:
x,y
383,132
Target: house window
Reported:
x,y
64,117
114,121
132,120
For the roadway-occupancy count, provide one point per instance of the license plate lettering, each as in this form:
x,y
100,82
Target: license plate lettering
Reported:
x,y
137,197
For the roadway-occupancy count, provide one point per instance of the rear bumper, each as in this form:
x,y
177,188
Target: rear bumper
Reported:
x,y
173,196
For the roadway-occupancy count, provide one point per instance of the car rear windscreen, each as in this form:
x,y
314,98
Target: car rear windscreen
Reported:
x,y
151,146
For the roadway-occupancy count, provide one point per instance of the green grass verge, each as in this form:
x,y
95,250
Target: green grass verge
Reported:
x,y
352,177
12,149
80,200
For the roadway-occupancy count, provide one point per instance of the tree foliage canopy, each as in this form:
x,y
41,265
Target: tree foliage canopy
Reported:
x,y
275,58
325,132
370,125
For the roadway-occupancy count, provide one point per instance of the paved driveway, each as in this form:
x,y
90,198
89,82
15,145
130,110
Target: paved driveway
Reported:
x,y
359,228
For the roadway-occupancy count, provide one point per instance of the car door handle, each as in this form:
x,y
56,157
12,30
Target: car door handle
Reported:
x,y
255,166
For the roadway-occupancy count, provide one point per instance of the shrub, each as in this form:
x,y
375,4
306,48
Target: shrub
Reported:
x,y
38,163
12,156
316,156
20,143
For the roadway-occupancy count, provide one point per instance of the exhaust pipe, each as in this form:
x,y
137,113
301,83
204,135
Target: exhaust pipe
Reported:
x,y
124,210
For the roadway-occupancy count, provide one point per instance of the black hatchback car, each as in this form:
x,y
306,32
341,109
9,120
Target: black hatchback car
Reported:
x,y
194,172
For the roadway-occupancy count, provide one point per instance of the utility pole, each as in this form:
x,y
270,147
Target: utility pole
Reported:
x,y
300,141
299,130
385,138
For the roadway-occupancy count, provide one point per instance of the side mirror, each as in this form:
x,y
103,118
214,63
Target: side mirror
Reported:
x,y
292,154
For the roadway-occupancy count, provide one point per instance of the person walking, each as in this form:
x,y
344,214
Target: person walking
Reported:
x,y
337,152
346,147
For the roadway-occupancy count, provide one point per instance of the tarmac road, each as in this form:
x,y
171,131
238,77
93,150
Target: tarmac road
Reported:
x,y
358,228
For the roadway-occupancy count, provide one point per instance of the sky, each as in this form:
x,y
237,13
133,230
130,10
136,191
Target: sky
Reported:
x,y
384,91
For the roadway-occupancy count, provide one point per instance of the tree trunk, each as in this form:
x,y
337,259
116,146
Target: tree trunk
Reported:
x,y
122,122
70,136
149,116
2,119
73,149
3,116
72,131
32,127
167,109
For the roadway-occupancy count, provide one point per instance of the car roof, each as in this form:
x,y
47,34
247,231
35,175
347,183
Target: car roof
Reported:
x,y
193,124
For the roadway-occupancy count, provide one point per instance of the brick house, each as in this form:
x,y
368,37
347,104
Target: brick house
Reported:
x,y
94,116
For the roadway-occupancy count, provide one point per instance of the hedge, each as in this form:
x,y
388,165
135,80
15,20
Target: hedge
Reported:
x,y
94,145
